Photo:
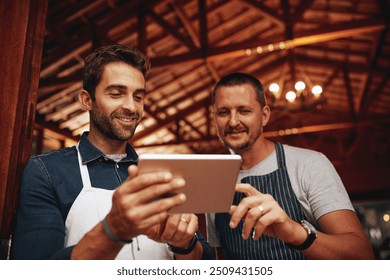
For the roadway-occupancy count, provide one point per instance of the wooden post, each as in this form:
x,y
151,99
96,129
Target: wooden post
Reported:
x,y
22,28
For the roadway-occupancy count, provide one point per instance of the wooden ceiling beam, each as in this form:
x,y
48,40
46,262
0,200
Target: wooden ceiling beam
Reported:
x,y
141,29
184,97
364,91
161,123
307,38
374,95
300,10
188,26
373,122
288,27
332,63
53,62
333,50
340,30
193,128
57,84
203,29
76,10
332,77
122,15
82,11
64,112
177,80
40,123
213,71
63,55
350,98
172,30
59,95
227,38
265,11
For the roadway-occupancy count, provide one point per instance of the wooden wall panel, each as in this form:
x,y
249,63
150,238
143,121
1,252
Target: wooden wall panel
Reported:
x,y
22,28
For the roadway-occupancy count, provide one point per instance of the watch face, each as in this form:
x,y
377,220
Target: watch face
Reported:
x,y
311,236
309,227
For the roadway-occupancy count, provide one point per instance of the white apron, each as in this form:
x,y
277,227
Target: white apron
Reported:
x,y
90,207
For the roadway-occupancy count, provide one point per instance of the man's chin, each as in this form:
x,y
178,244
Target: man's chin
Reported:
x,y
238,147
123,136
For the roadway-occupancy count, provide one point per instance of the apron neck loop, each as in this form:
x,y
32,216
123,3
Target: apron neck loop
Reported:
x,y
83,170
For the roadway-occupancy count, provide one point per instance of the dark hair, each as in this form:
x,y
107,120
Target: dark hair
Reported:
x,y
96,61
236,79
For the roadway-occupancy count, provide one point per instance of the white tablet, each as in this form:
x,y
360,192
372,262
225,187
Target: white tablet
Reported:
x,y
210,179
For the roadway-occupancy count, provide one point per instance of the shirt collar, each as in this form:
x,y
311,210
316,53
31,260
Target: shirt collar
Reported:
x,y
90,153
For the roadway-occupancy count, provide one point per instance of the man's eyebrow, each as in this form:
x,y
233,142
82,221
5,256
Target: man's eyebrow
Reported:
x,y
221,108
122,87
114,86
140,90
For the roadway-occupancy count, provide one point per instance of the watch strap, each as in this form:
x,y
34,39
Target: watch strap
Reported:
x,y
184,251
311,236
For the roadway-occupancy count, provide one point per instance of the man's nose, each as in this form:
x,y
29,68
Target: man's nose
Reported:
x,y
234,120
129,104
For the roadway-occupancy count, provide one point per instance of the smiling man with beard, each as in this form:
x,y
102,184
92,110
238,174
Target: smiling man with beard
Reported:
x,y
290,202
87,201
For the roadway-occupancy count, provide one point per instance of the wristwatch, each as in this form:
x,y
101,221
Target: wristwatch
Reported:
x,y
184,251
311,236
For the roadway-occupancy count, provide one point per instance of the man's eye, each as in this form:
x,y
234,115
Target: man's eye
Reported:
x,y
245,111
222,113
138,97
115,94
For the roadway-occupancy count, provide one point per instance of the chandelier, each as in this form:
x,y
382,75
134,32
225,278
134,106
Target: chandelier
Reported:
x,y
291,95
298,91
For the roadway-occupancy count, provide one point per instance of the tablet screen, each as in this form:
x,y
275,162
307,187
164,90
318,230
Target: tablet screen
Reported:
x,y
210,179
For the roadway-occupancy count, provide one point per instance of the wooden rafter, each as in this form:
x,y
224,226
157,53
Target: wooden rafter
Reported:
x,y
350,97
300,10
186,23
170,29
203,27
264,11
307,38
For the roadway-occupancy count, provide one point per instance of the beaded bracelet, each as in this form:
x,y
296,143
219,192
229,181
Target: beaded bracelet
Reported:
x,y
112,236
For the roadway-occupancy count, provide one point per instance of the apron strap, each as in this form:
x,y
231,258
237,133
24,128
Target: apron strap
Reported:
x,y
84,171
280,155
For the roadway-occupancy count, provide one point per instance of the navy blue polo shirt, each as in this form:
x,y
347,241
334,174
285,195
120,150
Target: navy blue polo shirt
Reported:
x,y
50,184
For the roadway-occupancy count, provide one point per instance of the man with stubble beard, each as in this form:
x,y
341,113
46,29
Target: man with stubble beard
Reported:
x,y
290,202
87,201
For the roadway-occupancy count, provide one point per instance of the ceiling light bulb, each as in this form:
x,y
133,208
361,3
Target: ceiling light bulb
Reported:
x,y
300,86
316,90
290,96
274,87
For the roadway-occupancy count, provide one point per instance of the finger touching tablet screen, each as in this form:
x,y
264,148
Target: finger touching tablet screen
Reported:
x,y
210,179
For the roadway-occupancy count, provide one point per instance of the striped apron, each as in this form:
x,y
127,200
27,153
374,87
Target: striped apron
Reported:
x,y
278,185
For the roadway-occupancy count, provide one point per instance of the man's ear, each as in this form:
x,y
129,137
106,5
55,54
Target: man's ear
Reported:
x,y
85,100
266,115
